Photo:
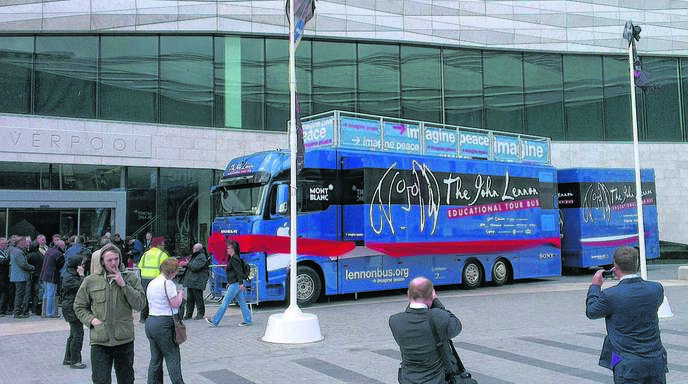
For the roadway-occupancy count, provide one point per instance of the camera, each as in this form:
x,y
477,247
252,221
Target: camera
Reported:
x,y
608,274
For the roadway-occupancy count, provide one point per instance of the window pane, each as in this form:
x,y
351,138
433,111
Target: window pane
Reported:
x,y
583,97
378,79
684,93
544,95
617,99
178,209
129,78
186,80
663,117
89,177
15,66
277,81
66,75
463,87
142,186
420,84
19,175
503,91
334,76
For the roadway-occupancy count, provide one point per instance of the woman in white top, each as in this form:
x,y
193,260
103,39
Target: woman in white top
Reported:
x,y
160,325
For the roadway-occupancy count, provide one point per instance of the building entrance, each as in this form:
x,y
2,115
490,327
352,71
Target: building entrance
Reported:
x,y
89,214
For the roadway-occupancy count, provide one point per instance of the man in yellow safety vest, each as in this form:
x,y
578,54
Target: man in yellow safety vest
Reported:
x,y
150,267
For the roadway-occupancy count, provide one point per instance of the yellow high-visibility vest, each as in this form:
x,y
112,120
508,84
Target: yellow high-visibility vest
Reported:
x,y
150,263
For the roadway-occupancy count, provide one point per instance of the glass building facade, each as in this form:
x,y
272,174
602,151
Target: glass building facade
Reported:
x,y
241,82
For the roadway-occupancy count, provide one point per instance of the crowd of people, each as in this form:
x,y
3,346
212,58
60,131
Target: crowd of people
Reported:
x,y
37,278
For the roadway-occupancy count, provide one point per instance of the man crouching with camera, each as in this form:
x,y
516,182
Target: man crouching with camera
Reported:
x,y
633,347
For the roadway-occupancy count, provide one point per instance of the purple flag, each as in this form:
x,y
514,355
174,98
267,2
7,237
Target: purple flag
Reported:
x,y
303,12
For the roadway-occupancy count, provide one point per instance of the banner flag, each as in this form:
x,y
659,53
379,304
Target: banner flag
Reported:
x,y
303,12
300,147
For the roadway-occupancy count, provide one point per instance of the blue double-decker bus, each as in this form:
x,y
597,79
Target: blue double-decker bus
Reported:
x,y
381,201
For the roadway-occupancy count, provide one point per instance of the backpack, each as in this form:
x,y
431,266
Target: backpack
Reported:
x,y
245,269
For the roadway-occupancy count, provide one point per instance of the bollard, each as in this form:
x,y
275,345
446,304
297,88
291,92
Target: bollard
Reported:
x,y
683,273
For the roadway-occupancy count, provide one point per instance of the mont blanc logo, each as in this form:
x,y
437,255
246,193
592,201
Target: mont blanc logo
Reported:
x,y
320,193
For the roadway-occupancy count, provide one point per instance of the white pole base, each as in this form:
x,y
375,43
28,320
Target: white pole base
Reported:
x,y
292,328
664,311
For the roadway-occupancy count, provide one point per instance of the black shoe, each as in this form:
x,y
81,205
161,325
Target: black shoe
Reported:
x,y
65,362
21,316
199,317
186,317
78,366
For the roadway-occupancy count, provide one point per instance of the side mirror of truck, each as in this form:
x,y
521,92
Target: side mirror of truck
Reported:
x,y
282,199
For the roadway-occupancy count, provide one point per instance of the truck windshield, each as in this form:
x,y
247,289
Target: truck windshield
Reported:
x,y
244,200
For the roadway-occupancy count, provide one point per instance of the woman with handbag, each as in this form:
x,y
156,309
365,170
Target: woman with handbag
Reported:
x,y
163,303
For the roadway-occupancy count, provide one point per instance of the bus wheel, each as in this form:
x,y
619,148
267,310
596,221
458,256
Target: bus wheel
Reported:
x,y
472,275
500,272
308,286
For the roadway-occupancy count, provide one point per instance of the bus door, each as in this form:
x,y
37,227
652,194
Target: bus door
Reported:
x,y
352,199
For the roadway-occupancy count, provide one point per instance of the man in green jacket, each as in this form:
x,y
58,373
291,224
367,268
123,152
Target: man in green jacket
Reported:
x,y
105,303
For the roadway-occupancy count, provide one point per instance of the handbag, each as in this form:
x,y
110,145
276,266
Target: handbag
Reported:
x,y
179,326
460,377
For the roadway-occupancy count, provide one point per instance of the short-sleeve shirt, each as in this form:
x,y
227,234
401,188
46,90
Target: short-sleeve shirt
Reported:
x,y
157,301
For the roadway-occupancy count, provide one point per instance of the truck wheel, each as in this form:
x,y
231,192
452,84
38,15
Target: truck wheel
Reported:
x,y
308,286
500,272
472,275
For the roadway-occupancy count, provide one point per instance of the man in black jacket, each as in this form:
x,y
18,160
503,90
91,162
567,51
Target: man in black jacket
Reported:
x,y
195,280
421,361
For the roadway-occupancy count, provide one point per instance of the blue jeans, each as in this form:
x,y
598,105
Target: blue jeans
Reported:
x,y
49,297
160,333
233,291
103,358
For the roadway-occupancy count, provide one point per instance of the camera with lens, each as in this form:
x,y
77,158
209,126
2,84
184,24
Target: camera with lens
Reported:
x,y
608,274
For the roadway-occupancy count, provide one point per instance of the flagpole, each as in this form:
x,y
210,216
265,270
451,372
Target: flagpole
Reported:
x,y
293,308
636,163
664,310
293,326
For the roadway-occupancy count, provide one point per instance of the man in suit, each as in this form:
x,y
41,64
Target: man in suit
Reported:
x,y
421,362
633,347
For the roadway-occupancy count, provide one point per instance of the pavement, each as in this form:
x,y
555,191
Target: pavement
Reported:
x,y
528,332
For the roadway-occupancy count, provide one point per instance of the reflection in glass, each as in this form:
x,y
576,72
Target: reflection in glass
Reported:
x,y
663,119
15,65
378,79
128,78
142,186
617,99
583,97
181,203
544,95
79,177
503,91
463,87
186,80
24,176
421,84
94,223
277,82
66,74
334,76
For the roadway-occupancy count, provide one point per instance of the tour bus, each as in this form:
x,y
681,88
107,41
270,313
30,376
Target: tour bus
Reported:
x,y
382,200
599,214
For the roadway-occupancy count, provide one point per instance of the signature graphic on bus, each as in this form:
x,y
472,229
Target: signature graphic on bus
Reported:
x,y
600,199
422,189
